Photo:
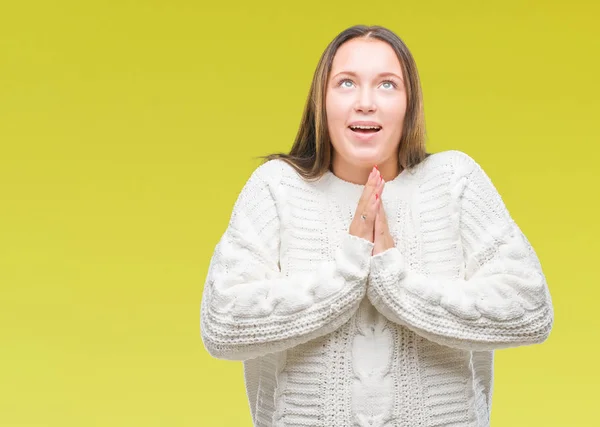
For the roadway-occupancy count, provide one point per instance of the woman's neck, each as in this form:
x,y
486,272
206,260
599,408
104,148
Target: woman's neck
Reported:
x,y
359,174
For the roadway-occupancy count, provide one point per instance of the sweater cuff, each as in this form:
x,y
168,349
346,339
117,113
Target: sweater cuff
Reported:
x,y
388,264
353,256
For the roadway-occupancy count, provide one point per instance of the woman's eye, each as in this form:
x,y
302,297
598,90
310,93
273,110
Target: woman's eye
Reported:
x,y
390,84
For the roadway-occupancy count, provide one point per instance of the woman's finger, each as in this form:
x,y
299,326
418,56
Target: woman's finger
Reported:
x,y
375,201
364,218
369,186
377,226
368,191
380,221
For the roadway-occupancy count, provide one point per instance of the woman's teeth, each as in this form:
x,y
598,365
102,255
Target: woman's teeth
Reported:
x,y
365,129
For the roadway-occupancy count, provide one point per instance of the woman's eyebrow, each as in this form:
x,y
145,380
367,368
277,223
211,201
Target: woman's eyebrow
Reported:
x,y
384,74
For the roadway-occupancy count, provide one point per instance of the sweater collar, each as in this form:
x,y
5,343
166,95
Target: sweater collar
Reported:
x,y
351,192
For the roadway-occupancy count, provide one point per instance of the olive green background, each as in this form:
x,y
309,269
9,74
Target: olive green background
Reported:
x,y
127,129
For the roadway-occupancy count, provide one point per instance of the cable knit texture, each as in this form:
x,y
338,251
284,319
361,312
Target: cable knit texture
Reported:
x,y
331,335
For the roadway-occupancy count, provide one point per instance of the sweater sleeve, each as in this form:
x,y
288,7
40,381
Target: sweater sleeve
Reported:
x,y
502,301
250,307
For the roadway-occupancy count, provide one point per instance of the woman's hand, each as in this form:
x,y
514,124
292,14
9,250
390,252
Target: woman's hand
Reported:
x,y
383,238
363,223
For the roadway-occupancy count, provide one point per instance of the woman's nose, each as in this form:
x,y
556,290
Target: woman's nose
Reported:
x,y
365,101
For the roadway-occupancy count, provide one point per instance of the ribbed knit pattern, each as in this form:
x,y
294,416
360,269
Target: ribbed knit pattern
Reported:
x,y
333,336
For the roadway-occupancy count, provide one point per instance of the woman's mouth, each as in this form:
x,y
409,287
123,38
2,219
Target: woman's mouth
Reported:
x,y
364,133
365,129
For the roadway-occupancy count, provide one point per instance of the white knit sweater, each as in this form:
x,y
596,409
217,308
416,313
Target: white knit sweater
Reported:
x,y
333,336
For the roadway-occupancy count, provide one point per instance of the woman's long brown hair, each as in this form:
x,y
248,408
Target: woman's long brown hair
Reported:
x,y
311,153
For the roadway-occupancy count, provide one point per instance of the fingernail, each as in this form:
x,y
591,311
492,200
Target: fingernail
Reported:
x,y
376,167
376,196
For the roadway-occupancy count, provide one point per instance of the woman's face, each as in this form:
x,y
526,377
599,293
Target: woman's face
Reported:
x,y
365,85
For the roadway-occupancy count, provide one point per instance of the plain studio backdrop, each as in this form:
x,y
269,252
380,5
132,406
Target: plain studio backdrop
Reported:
x,y
127,129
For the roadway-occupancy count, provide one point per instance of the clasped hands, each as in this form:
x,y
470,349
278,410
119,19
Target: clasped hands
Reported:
x,y
370,222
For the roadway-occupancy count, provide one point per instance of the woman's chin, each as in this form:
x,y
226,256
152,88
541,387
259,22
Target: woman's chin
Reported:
x,y
361,156
366,158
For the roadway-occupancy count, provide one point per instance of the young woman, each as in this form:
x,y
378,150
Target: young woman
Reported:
x,y
362,281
